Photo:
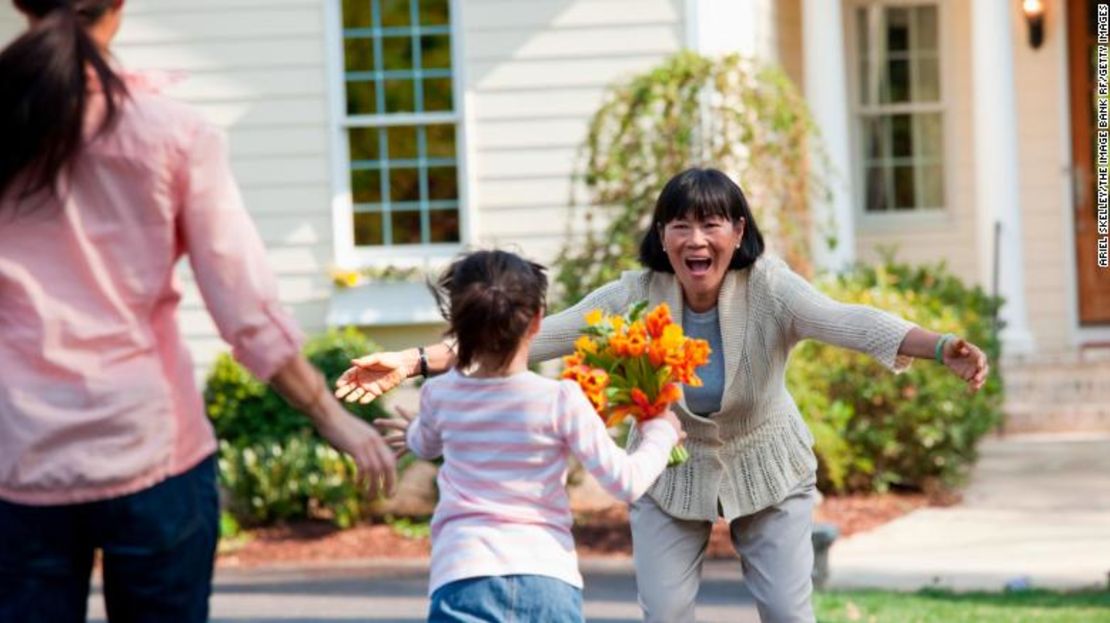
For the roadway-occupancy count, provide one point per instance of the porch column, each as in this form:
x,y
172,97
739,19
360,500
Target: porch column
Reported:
x,y
997,197
715,27
826,91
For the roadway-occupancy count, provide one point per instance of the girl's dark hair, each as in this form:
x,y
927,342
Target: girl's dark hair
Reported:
x,y
699,194
45,92
489,298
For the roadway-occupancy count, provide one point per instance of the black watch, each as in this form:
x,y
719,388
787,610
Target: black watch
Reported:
x,y
423,361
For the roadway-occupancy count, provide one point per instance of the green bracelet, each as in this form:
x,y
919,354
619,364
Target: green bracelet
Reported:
x,y
939,354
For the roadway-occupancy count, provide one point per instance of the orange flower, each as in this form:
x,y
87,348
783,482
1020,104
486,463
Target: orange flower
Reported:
x,y
658,319
671,392
595,381
657,354
598,400
637,344
617,414
619,345
697,352
651,357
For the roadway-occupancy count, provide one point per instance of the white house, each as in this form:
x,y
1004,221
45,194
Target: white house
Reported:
x,y
396,132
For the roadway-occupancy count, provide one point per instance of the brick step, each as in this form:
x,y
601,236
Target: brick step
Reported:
x,y
1062,394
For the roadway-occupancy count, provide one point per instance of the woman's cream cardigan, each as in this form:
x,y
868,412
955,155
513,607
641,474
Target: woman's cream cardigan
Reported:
x,y
756,449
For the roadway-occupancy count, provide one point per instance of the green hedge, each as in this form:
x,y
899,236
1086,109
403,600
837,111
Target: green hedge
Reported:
x,y
273,464
875,429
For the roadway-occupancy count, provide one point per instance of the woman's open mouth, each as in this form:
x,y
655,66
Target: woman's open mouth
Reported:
x,y
698,266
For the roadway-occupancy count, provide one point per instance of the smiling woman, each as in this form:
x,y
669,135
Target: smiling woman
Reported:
x,y
698,232
751,456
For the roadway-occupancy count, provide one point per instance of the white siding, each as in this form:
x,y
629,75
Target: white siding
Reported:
x,y
10,22
535,73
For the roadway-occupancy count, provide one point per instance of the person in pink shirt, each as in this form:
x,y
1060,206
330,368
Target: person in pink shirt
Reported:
x,y
104,185
502,548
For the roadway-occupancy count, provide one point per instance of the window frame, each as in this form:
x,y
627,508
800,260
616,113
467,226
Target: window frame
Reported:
x,y
347,254
897,220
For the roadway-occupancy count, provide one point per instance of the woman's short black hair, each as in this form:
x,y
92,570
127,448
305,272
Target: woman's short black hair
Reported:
x,y
700,193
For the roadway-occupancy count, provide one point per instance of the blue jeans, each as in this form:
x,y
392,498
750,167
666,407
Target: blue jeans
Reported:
x,y
506,599
158,548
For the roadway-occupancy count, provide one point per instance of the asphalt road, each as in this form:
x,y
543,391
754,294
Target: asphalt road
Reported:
x,y
394,592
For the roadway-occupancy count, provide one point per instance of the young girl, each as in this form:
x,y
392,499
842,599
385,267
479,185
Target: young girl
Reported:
x,y
501,542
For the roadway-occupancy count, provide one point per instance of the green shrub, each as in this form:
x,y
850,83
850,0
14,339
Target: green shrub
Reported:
x,y
273,464
874,429
246,411
297,478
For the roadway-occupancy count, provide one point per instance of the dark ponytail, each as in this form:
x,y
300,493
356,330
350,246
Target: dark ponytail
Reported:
x,y
44,93
489,298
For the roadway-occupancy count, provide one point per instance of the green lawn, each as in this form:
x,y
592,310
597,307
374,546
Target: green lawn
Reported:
x,y
935,606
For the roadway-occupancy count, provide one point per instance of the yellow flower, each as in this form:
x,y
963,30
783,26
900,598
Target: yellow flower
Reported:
x,y
594,317
637,328
617,322
585,345
346,278
672,337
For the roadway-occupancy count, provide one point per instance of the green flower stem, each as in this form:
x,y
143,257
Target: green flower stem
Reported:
x,y
679,455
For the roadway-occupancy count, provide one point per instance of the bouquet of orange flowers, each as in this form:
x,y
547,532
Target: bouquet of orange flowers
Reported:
x,y
632,364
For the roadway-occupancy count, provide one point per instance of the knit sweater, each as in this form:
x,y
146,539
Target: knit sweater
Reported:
x,y
756,449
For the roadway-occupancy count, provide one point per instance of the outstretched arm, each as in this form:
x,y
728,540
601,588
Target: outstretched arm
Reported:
x,y
963,358
375,374
809,313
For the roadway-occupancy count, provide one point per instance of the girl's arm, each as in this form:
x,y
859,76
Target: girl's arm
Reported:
x,y
625,476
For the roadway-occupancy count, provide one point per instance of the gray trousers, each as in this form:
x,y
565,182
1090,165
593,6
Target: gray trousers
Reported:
x,y
775,548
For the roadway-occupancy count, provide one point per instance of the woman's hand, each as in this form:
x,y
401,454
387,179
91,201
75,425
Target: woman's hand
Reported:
x,y
374,375
351,435
967,361
394,429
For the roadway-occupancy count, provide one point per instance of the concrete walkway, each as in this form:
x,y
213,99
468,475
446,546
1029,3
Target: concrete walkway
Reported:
x,y
1037,509
394,592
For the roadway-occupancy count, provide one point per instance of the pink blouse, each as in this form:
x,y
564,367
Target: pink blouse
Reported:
x,y
97,397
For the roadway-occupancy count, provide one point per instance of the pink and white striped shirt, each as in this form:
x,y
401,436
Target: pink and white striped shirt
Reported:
x,y
505,442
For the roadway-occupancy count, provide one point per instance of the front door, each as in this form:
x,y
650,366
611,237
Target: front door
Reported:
x,y
1094,282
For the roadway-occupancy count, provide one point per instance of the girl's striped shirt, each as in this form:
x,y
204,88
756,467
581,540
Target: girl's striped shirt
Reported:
x,y
505,443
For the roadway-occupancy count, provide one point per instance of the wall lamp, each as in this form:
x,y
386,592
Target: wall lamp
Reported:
x,y
1034,17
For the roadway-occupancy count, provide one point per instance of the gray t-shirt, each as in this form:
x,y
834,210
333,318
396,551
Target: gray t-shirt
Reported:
x,y
706,326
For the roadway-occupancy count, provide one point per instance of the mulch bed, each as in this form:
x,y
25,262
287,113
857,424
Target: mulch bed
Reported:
x,y
602,533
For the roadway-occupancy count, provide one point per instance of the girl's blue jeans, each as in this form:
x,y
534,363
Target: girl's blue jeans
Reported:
x,y
506,599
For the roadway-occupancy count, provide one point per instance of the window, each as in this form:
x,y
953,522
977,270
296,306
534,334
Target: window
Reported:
x,y
400,124
900,108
